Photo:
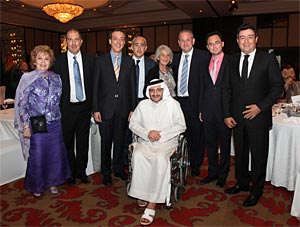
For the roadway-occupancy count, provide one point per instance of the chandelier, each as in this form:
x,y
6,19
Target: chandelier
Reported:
x,y
63,11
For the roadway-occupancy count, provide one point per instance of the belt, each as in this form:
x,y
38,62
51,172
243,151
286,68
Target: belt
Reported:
x,y
183,97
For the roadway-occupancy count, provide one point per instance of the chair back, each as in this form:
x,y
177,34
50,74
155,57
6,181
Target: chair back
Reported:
x,y
2,93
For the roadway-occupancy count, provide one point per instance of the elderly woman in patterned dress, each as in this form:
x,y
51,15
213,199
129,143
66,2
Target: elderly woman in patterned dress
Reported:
x,y
38,93
163,57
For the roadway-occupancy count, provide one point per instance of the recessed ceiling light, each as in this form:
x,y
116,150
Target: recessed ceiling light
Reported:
x,y
200,11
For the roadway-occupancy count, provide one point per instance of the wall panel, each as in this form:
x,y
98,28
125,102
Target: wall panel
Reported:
x,y
173,37
38,37
90,40
149,34
29,40
102,42
47,39
264,37
55,42
294,30
161,35
279,37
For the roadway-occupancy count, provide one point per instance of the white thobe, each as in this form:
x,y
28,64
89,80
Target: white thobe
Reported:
x,y
150,160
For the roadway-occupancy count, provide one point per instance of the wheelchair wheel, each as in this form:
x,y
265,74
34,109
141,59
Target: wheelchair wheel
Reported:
x,y
178,193
184,162
128,187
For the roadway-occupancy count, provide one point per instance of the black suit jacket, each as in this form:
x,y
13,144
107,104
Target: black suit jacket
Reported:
x,y
61,67
111,96
210,101
263,87
149,64
198,68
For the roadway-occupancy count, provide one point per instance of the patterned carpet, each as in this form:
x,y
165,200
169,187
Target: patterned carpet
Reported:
x,y
97,205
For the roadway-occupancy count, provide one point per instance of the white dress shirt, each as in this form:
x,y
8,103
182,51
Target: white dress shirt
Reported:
x,y
71,75
142,75
250,62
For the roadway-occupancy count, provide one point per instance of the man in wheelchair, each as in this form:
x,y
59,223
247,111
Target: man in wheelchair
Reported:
x,y
157,122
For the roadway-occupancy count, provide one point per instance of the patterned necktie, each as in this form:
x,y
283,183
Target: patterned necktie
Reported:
x,y
77,78
214,70
137,73
245,68
183,82
116,67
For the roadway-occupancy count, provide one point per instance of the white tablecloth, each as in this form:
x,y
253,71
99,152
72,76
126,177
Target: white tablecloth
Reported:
x,y
12,162
13,165
283,167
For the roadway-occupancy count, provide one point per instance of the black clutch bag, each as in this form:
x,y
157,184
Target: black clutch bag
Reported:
x,y
38,124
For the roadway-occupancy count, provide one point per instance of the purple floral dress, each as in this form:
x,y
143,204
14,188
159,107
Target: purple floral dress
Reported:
x,y
48,162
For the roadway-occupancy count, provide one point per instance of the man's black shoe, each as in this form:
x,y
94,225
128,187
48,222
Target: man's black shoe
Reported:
x,y
107,180
71,181
221,182
236,189
252,200
207,180
195,171
122,175
85,180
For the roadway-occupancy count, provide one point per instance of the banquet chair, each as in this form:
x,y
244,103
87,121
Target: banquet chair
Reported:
x,y
179,169
2,94
292,90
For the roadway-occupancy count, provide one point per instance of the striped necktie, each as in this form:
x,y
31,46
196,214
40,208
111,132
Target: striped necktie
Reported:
x,y
78,83
116,67
183,82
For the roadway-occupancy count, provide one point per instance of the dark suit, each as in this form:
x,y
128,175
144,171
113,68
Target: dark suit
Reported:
x,y
215,130
149,64
76,116
190,105
114,100
264,85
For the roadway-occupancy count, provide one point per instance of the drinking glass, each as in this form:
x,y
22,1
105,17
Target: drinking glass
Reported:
x,y
4,106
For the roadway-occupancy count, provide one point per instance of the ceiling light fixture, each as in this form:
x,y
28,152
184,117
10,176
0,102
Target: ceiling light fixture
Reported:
x,y
63,11
233,6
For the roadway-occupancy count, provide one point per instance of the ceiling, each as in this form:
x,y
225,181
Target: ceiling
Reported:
x,y
135,13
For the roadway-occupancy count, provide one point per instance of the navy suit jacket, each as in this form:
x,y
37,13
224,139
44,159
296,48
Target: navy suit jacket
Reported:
x,y
198,68
264,86
61,67
109,95
210,101
149,64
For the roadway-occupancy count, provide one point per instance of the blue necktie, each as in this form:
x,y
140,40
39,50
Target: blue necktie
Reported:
x,y
183,82
137,73
78,84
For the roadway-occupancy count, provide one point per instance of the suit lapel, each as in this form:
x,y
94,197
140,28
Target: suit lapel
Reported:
x,y
110,67
236,63
255,62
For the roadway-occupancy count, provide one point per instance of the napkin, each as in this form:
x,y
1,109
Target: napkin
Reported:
x,y
9,101
295,120
295,99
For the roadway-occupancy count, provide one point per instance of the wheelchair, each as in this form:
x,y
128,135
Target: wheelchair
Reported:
x,y
179,169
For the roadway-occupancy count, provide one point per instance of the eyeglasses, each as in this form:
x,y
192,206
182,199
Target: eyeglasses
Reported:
x,y
217,43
